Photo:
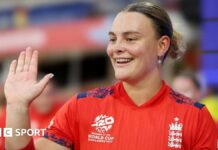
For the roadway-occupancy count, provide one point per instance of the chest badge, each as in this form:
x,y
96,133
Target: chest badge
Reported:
x,y
175,134
102,125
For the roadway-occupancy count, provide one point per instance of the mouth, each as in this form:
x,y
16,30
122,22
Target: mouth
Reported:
x,y
122,61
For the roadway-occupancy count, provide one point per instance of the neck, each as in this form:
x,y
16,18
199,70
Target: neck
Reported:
x,y
141,91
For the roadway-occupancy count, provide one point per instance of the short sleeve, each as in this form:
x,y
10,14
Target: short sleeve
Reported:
x,y
206,133
62,126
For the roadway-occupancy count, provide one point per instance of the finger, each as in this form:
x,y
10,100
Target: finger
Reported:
x,y
27,58
20,62
12,68
44,81
33,67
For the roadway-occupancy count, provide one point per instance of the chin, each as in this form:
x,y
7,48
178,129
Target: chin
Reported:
x,y
121,76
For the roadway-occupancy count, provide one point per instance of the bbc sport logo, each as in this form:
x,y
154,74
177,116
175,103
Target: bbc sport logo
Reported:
x,y
6,132
10,132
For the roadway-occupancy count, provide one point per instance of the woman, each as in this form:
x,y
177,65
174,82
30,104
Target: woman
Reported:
x,y
139,112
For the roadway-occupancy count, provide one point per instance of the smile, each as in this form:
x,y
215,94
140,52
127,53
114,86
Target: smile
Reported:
x,y
123,60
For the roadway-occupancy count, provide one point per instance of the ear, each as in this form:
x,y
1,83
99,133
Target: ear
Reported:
x,y
163,45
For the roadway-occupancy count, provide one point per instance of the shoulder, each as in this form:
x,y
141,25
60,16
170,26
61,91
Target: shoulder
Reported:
x,y
99,93
181,99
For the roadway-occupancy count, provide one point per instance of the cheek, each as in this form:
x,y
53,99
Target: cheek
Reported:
x,y
148,50
146,54
137,51
109,51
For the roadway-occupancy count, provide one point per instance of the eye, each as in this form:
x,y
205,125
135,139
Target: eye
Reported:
x,y
130,39
112,39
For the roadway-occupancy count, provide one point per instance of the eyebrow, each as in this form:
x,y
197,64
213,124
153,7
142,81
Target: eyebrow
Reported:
x,y
125,33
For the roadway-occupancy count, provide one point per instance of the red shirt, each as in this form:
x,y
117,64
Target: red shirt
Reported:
x,y
107,119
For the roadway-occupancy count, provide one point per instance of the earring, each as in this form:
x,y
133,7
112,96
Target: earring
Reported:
x,y
159,59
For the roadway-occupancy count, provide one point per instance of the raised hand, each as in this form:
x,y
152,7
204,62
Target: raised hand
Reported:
x,y
21,86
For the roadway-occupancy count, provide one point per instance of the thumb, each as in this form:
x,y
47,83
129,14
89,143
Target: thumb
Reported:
x,y
44,81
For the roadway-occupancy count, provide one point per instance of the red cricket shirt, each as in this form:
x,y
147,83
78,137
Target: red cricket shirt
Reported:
x,y
107,119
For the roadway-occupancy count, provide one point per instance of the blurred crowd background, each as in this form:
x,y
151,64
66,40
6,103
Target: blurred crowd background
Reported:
x,y
71,36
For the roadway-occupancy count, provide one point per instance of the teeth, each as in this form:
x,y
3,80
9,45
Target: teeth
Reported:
x,y
123,60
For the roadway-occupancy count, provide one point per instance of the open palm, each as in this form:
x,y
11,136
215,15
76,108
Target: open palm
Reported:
x,y
21,86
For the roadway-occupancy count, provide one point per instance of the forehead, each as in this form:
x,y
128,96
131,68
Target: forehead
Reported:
x,y
132,21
